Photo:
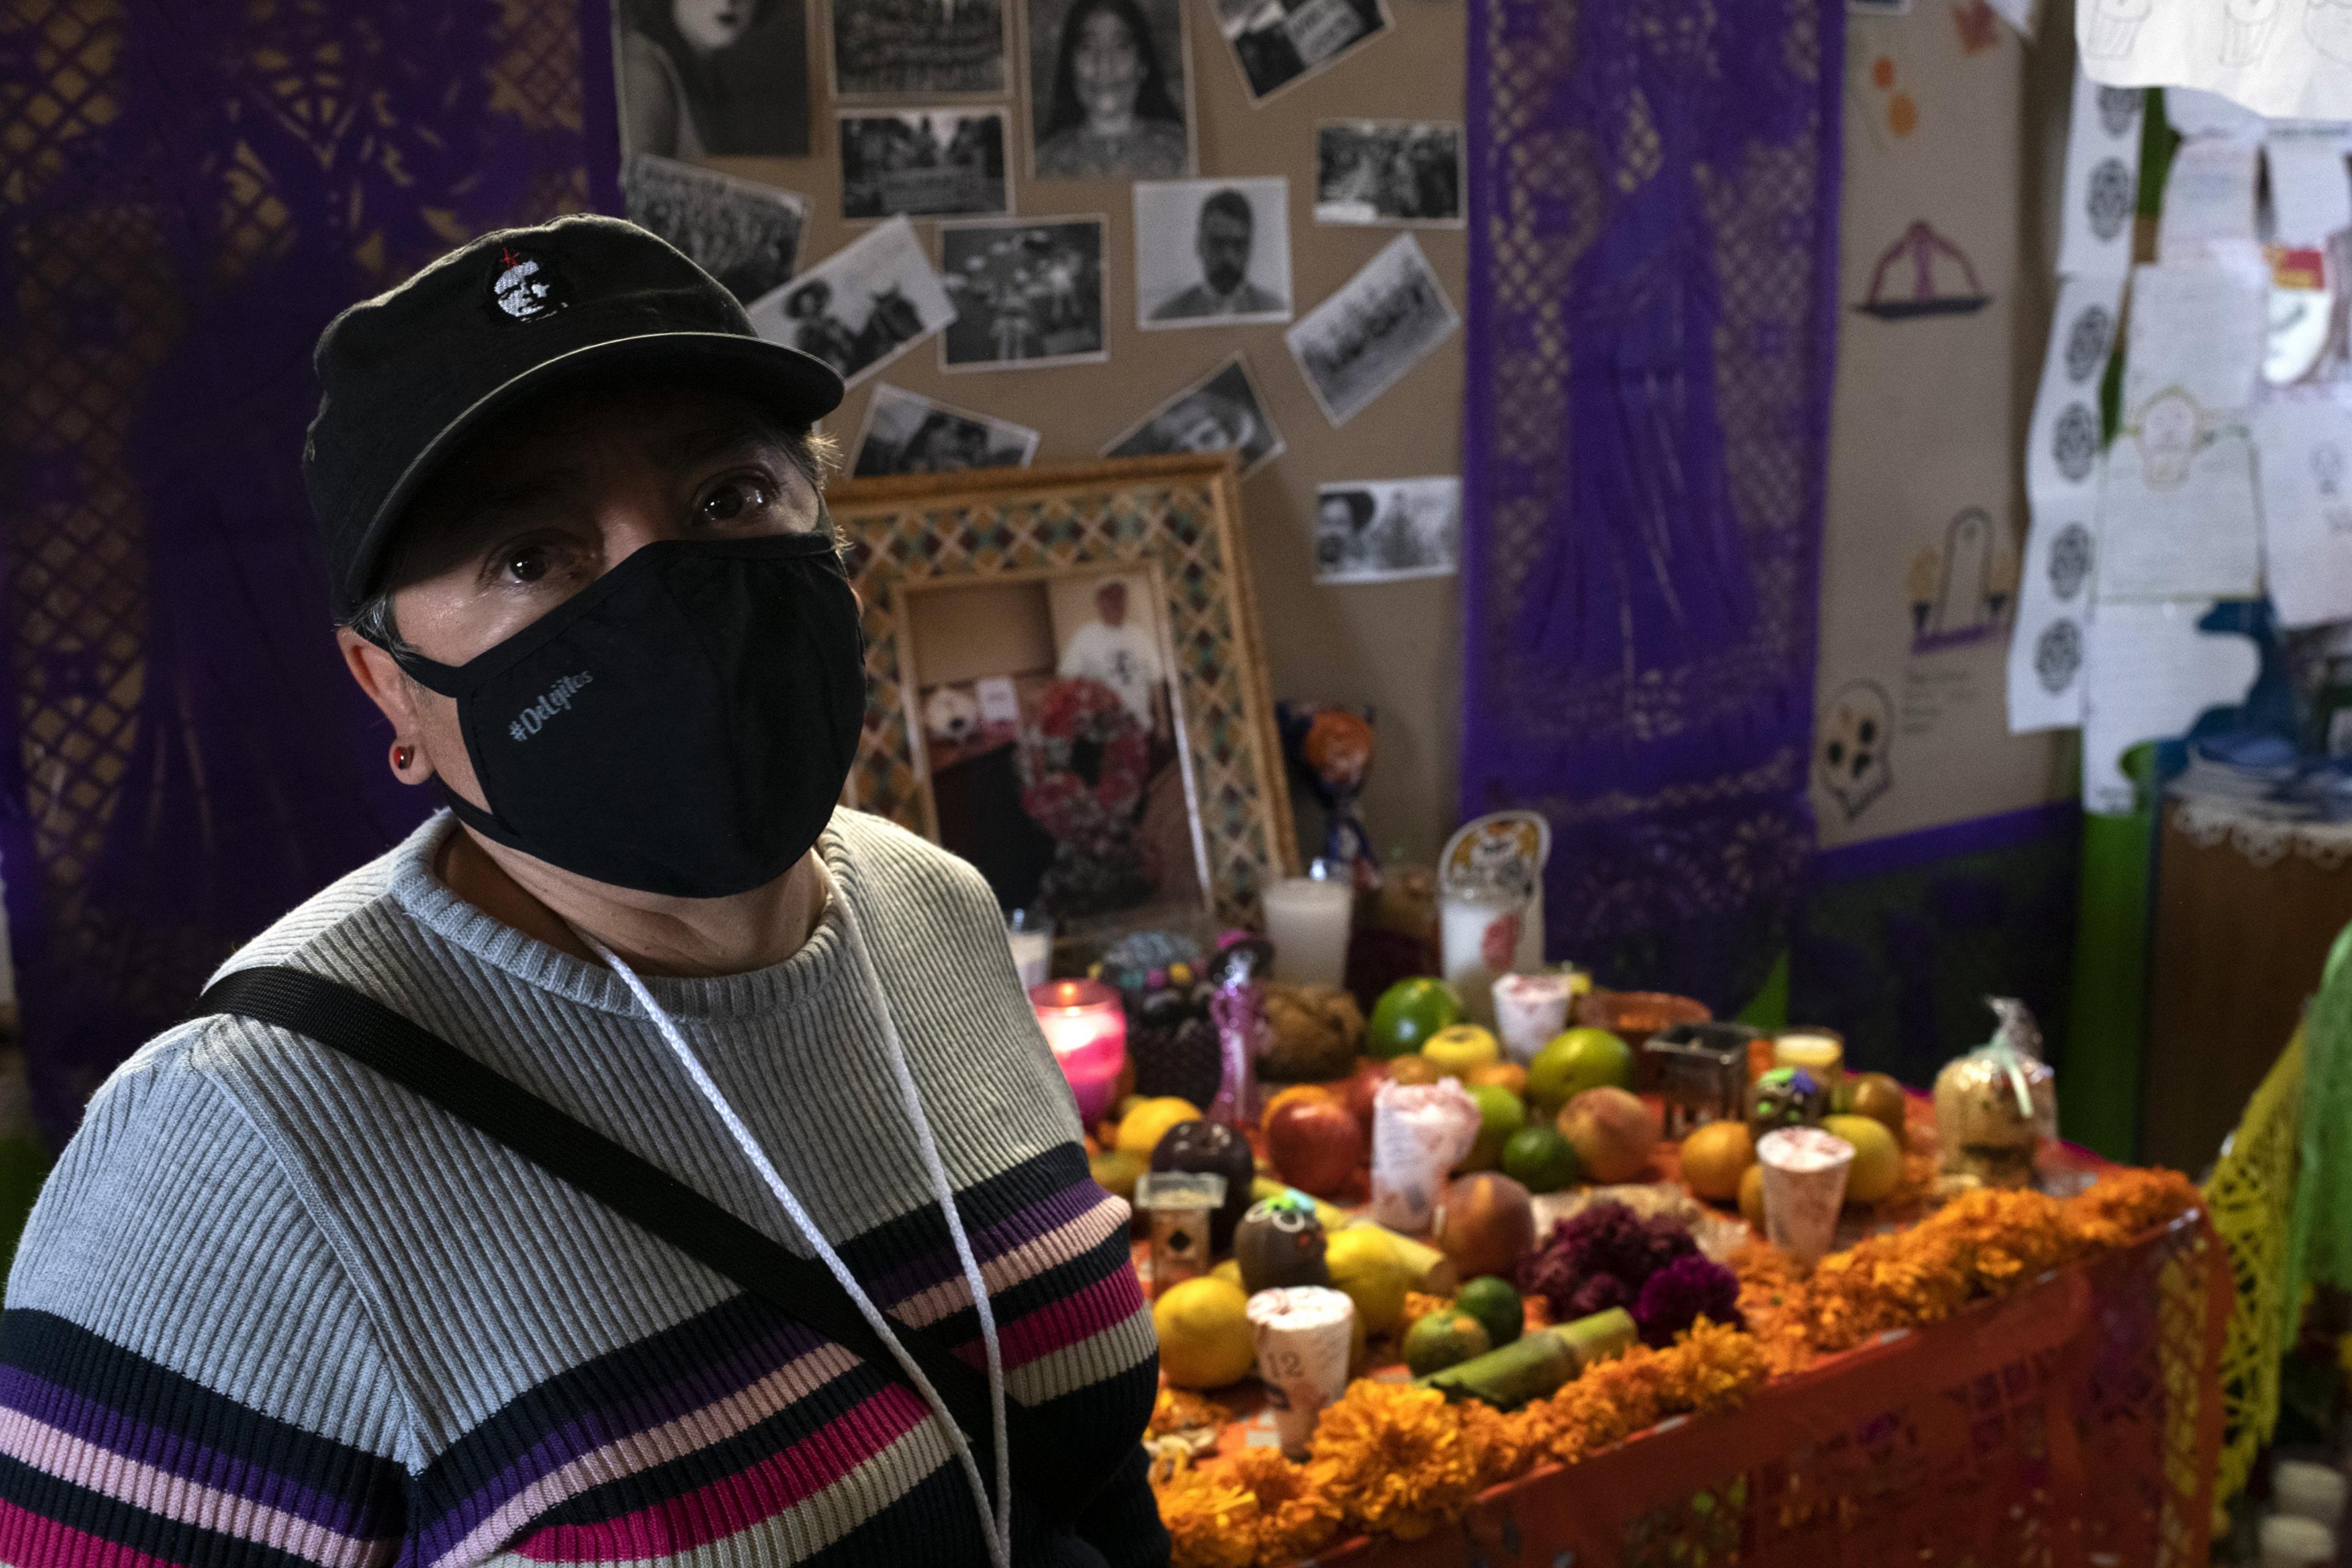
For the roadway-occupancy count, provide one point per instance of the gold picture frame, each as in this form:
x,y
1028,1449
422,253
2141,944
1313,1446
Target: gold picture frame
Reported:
x,y
1176,520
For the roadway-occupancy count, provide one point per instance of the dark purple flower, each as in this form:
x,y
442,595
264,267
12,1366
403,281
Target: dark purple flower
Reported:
x,y
1680,1294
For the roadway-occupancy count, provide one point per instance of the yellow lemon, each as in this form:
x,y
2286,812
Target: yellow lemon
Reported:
x,y
1143,1127
1714,1157
1368,1267
1461,1050
1204,1333
1877,1157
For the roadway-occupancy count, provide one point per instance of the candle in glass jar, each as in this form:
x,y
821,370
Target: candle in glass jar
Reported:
x,y
1819,1052
1307,920
1479,939
1087,1027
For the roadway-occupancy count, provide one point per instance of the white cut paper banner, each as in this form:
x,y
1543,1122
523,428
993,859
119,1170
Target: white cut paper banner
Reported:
x,y
2285,58
2209,203
2178,517
2305,447
2102,181
2063,441
2311,193
2197,330
2051,640
2151,674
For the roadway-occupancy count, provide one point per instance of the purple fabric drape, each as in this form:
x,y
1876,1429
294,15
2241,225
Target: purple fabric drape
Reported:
x,y
1651,318
188,191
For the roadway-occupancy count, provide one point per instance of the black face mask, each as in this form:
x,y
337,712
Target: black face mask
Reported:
x,y
682,725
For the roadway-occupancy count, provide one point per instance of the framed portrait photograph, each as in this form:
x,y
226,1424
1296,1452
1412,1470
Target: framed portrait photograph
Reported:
x,y
1222,412
1027,292
919,49
1377,531
1110,89
1066,686
1376,326
700,78
861,307
907,433
746,235
1211,253
1280,43
925,163
1406,172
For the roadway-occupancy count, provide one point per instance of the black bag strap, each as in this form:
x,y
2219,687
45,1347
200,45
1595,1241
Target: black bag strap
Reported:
x,y
369,1032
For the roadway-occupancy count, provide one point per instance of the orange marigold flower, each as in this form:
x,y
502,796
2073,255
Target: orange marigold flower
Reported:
x,y
1296,1517
1211,1521
1395,1458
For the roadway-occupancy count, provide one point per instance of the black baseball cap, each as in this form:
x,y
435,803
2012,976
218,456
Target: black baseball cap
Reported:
x,y
405,377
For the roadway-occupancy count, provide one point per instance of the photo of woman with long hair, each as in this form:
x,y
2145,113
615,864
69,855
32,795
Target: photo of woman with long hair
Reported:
x,y
701,77
1110,103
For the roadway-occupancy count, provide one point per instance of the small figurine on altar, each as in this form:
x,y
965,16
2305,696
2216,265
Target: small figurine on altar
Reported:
x,y
1237,1007
1330,747
1280,1243
1786,1097
1995,1105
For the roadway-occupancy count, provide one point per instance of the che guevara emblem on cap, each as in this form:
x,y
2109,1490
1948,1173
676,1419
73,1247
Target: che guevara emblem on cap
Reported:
x,y
405,377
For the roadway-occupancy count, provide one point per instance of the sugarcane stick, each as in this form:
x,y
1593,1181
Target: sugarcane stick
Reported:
x,y
1537,1364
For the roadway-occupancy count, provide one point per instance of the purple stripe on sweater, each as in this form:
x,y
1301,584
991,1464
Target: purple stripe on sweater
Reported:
x,y
738,1363
103,1427
1014,1230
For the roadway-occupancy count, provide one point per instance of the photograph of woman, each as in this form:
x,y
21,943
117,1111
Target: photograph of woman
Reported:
x,y
1108,86
700,78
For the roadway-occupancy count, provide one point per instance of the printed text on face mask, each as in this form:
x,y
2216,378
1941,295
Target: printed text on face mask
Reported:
x,y
536,717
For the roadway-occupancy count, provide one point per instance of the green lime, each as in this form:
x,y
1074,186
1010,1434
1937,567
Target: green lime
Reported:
x,y
1408,1013
1495,1305
1541,1159
1444,1337
1500,1114
1575,1061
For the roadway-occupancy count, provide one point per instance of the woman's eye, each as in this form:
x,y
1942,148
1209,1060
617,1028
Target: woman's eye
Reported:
x,y
525,564
737,501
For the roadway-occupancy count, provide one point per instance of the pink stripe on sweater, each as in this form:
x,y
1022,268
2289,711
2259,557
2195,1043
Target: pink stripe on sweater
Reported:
x,y
29,1540
158,1491
1061,1323
1007,1269
749,1497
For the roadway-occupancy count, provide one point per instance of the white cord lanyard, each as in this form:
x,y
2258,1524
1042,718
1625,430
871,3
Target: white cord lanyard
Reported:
x,y
997,1523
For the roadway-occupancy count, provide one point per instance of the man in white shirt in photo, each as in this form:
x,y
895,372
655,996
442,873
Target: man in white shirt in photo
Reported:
x,y
1119,653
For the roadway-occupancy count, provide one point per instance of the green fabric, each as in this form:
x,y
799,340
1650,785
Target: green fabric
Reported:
x,y
2099,1076
1768,1009
2319,1226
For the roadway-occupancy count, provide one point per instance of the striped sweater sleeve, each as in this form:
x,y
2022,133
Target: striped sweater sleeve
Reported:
x,y
188,1376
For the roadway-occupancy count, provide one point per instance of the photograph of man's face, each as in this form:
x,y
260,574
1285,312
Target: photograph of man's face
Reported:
x,y
1223,245
1212,251
711,25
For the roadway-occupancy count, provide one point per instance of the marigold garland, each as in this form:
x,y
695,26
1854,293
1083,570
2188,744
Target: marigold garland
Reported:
x,y
1390,1458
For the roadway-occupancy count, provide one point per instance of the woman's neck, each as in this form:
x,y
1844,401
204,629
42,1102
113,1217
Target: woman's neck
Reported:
x,y
652,934
1110,127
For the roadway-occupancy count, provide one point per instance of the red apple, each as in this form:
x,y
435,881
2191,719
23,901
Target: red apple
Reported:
x,y
1369,1074
1315,1145
1486,1225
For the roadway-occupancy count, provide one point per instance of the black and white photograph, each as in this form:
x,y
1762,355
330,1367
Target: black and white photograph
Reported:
x,y
1220,412
861,307
924,162
1025,293
1211,253
1388,171
907,433
918,48
1380,323
745,234
1277,43
699,78
1109,89
1377,531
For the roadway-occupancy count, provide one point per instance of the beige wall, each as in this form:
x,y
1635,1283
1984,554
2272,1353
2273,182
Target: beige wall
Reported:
x,y
1395,644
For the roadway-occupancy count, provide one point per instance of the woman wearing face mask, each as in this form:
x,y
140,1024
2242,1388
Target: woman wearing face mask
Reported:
x,y
1112,114
701,77
645,1160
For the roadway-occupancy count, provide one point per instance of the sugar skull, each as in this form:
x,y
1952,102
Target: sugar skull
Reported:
x,y
2168,438
2069,560
1850,750
2075,441
950,714
524,290
2108,201
2088,339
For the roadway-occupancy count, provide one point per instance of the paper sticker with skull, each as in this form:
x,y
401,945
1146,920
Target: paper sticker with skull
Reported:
x,y
1851,743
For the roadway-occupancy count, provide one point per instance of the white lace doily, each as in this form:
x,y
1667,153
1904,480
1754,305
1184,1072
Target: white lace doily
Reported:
x,y
2261,832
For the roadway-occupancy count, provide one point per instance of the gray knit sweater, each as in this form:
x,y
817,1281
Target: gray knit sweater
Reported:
x,y
272,1308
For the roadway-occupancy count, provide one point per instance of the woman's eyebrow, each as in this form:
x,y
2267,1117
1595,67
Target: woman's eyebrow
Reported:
x,y
700,443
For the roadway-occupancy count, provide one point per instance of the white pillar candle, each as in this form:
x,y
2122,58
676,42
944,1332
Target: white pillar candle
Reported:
x,y
1031,937
1307,921
1481,939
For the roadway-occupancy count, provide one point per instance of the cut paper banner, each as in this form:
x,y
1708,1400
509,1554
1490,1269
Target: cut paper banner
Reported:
x,y
2199,330
2101,180
2062,446
2054,613
2178,517
2209,203
2305,447
2151,673
2285,58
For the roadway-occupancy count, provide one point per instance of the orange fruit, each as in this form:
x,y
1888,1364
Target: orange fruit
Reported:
x,y
1507,1075
1715,1157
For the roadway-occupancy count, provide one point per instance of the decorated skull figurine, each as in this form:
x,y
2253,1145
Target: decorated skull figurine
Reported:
x,y
1786,1097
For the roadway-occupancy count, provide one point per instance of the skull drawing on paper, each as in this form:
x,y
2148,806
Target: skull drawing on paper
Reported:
x,y
2168,430
1850,746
